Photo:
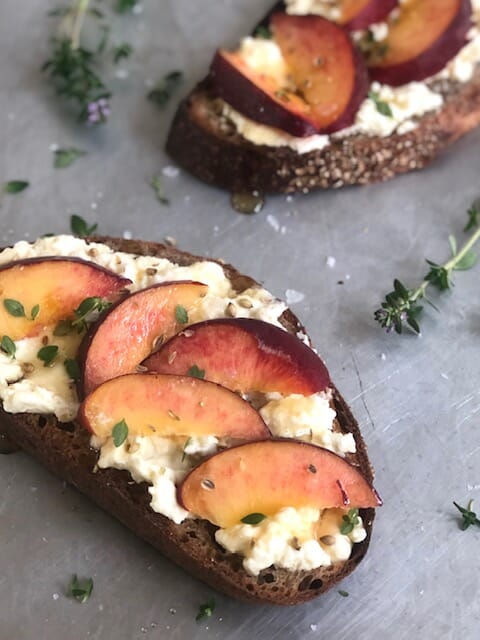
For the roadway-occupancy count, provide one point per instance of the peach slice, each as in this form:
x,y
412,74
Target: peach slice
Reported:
x,y
38,292
163,405
420,42
130,330
244,355
360,14
327,69
329,75
265,476
258,96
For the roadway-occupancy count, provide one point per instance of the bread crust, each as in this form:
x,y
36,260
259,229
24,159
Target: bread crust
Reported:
x,y
205,143
64,448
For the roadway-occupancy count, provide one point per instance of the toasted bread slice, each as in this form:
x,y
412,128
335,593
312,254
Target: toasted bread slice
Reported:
x,y
205,141
65,449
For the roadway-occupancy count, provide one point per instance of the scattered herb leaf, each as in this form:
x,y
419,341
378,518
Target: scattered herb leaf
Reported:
x,y
102,44
81,591
15,186
121,51
469,518
85,310
123,6
80,227
196,372
400,306
48,354
7,345
65,157
164,90
72,368
181,314
63,328
156,185
254,518
206,610
473,218
382,107
34,312
349,521
14,308
59,11
343,593
120,433
263,32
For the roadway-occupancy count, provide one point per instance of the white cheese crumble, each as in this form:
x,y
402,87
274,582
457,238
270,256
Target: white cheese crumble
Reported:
x,y
261,134
162,462
48,389
462,67
308,418
292,539
405,102
327,8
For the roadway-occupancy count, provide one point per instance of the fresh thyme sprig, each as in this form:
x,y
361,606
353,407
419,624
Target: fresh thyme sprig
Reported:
x,y
469,517
72,67
400,307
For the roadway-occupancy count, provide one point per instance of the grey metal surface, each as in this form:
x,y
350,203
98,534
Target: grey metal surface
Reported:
x,y
417,399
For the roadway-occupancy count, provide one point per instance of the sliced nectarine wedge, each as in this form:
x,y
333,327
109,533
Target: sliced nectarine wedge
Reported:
x,y
258,96
131,329
325,66
163,405
360,14
324,86
38,292
421,40
244,355
266,476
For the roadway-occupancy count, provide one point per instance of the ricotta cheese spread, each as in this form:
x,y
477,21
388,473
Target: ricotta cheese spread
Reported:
x,y
308,418
407,102
292,538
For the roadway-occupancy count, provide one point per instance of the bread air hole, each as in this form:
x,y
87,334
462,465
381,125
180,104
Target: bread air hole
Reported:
x,y
67,426
266,578
309,582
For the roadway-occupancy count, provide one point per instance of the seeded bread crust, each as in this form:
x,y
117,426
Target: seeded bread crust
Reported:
x,y
65,450
206,143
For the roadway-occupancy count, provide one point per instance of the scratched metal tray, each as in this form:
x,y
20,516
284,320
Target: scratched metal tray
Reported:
x,y
417,399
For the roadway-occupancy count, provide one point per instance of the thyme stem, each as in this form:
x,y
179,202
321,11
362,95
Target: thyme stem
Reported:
x,y
79,16
452,263
400,306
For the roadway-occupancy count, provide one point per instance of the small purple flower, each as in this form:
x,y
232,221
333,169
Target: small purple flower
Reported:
x,y
98,111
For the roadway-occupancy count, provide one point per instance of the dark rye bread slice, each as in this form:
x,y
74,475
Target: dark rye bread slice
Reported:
x,y
65,450
206,143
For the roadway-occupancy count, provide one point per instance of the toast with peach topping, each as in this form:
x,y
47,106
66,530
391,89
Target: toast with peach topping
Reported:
x,y
357,93
65,448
